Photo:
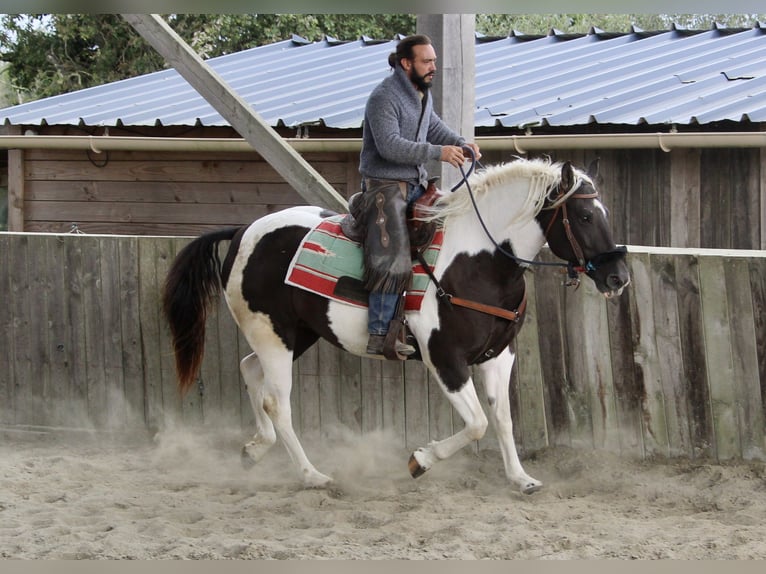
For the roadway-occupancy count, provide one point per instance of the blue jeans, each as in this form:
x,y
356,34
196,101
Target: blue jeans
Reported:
x,y
382,306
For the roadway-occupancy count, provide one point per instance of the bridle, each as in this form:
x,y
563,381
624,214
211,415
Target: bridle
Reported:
x,y
558,203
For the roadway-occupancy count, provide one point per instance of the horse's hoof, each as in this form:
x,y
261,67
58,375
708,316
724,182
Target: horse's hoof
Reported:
x,y
416,470
531,486
317,480
246,460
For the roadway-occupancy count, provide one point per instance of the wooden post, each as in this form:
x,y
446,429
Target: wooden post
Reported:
x,y
280,155
454,40
15,186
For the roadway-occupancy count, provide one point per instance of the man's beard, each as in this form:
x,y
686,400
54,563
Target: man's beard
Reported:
x,y
420,81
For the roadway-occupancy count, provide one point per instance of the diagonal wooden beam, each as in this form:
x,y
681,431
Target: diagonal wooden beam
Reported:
x,y
280,155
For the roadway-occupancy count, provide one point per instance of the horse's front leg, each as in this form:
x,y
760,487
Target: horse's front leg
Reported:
x,y
466,403
497,376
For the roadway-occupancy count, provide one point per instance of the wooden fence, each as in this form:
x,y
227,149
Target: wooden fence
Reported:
x,y
674,367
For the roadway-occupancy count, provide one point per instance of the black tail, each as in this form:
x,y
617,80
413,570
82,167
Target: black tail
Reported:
x,y
192,285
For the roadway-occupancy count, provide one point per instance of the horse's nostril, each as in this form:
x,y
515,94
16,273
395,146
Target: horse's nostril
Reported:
x,y
615,281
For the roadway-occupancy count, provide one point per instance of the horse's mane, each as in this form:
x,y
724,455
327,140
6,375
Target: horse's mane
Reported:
x,y
543,175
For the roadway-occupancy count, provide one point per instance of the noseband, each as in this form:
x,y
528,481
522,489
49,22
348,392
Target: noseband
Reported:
x,y
587,266
558,203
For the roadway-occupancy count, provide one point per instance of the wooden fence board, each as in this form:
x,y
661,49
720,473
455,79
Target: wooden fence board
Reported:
x,y
416,402
350,411
548,294
329,388
746,381
111,337
691,330
132,354
148,255
758,286
532,423
306,381
372,395
719,352
647,359
7,331
392,380
670,354
22,322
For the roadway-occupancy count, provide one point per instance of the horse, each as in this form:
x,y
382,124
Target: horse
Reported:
x,y
471,311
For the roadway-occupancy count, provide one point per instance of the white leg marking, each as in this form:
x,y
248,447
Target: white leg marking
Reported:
x,y
276,362
497,376
467,404
265,435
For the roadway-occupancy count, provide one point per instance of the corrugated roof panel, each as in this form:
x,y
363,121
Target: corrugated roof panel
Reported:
x,y
677,76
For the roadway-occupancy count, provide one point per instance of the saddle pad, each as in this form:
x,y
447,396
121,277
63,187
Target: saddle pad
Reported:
x,y
330,264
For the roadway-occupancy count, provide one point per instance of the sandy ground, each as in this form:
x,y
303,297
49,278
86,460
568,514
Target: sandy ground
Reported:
x,y
182,496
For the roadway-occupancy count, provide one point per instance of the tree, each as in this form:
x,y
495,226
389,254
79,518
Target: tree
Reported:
x,y
57,53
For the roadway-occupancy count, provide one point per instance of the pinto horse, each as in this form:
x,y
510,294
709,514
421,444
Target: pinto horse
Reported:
x,y
471,311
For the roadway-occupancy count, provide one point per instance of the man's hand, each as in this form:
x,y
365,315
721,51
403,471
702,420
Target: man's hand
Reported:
x,y
455,156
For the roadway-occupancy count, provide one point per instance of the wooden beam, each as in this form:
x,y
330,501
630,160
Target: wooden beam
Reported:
x,y
454,41
283,158
16,188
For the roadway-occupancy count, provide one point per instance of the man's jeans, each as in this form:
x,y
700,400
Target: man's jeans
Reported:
x,y
382,306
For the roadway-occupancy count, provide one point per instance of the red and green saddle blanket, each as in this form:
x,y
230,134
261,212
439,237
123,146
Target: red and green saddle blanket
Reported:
x,y
330,264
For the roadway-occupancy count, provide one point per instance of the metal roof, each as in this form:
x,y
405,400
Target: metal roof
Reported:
x,y
671,77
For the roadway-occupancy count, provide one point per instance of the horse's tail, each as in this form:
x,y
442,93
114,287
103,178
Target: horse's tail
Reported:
x,y
192,285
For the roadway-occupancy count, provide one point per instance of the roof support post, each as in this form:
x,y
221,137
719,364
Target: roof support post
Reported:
x,y
454,38
280,155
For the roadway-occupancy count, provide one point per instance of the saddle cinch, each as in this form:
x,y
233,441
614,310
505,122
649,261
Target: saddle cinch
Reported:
x,y
421,234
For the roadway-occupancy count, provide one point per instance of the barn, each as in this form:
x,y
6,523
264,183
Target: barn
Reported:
x,y
676,117
105,185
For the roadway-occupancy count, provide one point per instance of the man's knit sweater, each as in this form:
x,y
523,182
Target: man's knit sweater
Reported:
x,y
396,143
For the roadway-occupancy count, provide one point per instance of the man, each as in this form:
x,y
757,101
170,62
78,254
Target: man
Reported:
x,y
401,133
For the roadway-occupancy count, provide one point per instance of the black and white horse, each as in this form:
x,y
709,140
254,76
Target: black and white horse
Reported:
x,y
469,319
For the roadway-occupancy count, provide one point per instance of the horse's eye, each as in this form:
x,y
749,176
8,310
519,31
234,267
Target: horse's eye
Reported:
x,y
586,216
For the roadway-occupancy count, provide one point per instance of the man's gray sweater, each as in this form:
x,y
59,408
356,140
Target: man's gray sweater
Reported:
x,y
396,142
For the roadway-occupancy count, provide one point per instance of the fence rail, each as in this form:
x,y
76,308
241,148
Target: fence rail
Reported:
x,y
674,367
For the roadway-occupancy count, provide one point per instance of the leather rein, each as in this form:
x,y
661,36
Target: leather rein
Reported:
x,y
559,203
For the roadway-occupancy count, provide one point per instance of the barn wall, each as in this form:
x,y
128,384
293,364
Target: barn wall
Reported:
x,y
674,367
713,198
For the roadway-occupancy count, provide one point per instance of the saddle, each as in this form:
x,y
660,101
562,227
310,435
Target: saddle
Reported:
x,y
421,234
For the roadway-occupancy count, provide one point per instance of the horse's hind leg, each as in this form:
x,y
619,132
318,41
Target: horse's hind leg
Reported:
x,y
265,435
497,376
273,399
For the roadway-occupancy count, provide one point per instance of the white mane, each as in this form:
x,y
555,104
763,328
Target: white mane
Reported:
x,y
543,176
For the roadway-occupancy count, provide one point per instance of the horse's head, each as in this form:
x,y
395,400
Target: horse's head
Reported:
x,y
577,229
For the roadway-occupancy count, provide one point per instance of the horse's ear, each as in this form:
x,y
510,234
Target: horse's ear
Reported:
x,y
593,170
567,177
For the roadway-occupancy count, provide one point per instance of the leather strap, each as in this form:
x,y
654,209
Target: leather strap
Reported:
x,y
468,304
491,309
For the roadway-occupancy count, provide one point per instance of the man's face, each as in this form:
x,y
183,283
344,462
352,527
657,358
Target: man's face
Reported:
x,y
422,67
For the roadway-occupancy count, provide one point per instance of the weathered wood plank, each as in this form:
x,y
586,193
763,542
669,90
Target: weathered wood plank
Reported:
x,y
177,171
691,331
169,192
308,386
21,325
746,380
128,228
670,355
416,399
39,294
111,337
647,359
372,395
224,409
758,288
548,295
350,408
684,198
16,190
7,340
148,255
329,388
533,424
132,352
394,405
159,214
717,333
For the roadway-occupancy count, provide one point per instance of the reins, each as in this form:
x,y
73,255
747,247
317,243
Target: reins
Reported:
x,y
559,203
